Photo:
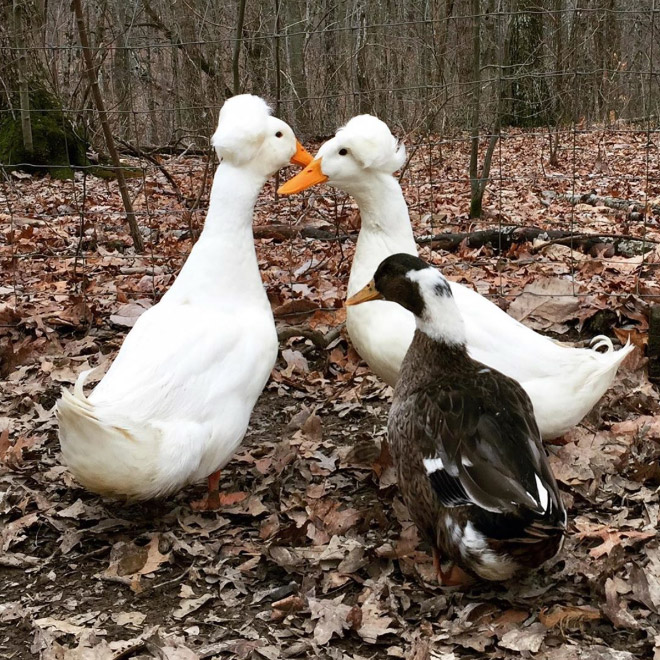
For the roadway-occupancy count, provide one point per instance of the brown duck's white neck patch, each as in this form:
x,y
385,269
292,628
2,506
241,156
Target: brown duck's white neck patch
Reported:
x,y
440,319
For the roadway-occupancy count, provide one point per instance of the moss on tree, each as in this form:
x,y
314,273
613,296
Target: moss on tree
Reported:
x,y
57,146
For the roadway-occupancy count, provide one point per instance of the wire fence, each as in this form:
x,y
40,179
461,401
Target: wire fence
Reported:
x,y
569,97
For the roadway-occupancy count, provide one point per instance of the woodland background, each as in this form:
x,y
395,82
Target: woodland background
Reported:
x,y
533,136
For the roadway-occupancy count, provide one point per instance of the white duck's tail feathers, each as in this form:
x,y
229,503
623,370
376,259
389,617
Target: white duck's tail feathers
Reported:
x,y
602,341
103,456
609,360
80,384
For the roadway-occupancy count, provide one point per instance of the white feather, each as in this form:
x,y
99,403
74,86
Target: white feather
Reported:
x,y
433,464
488,564
543,497
441,319
373,144
242,127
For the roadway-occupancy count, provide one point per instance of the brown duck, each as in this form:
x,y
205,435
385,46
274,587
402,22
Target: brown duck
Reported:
x,y
468,452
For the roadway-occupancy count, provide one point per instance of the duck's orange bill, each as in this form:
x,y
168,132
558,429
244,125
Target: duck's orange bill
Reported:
x,y
310,176
365,294
302,157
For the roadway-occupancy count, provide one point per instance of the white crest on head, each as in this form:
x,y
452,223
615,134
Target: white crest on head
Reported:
x,y
372,144
242,127
441,319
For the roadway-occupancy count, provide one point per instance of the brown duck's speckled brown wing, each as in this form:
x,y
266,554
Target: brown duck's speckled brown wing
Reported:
x,y
480,445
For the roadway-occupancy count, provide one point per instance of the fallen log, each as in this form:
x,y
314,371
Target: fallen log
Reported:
x,y
320,340
286,232
634,208
500,239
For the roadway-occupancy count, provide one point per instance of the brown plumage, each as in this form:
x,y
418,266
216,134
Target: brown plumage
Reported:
x,y
471,466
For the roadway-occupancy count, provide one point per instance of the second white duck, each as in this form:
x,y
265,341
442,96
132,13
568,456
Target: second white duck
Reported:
x,y
564,383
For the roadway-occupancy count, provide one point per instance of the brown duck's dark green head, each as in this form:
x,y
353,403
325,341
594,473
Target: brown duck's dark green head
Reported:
x,y
421,289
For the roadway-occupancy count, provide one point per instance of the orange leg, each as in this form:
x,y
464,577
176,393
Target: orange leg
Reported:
x,y
210,501
454,577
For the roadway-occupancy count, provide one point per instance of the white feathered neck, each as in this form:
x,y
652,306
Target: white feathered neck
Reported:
x,y
223,263
385,229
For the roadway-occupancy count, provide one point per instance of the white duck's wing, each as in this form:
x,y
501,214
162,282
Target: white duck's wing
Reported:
x,y
564,383
181,360
174,405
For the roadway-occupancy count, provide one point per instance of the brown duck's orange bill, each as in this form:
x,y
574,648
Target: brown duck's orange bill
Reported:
x,y
365,294
302,157
310,176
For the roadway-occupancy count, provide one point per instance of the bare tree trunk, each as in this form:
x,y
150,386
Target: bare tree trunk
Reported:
x,y
121,74
23,84
361,76
237,46
278,66
296,51
151,104
475,187
103,117
479,180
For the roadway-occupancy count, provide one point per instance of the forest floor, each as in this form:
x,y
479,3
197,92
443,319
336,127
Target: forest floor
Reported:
x,y
313,554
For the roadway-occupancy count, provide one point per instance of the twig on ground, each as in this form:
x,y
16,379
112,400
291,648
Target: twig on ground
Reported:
x,y
317,338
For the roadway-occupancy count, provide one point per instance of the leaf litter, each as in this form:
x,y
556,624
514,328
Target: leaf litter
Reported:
x,y
313,554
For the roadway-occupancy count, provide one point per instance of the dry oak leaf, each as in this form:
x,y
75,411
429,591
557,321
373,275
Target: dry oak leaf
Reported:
x,y
373,622
127,315
12,454
567,615
545,302
332,617
524,639
289,605
610,537
4,444
189,605
11,531
615,608
128,560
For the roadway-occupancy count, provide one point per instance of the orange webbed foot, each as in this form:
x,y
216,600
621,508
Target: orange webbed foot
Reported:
x,y
454,577
211,501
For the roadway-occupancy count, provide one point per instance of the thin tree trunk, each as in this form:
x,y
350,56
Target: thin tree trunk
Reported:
x,y
296,51
479,180
103,117
476,198
278,69
23,84
237,46
121,74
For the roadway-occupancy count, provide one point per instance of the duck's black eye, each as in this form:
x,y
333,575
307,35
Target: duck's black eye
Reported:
x,y
279,134
343,152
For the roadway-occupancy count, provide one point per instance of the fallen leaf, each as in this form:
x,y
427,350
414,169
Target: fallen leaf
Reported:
x,y
546,303
332,616
188,605
373,622
615,608
568,616
12,531
611,538
135,619
524,639
127,315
